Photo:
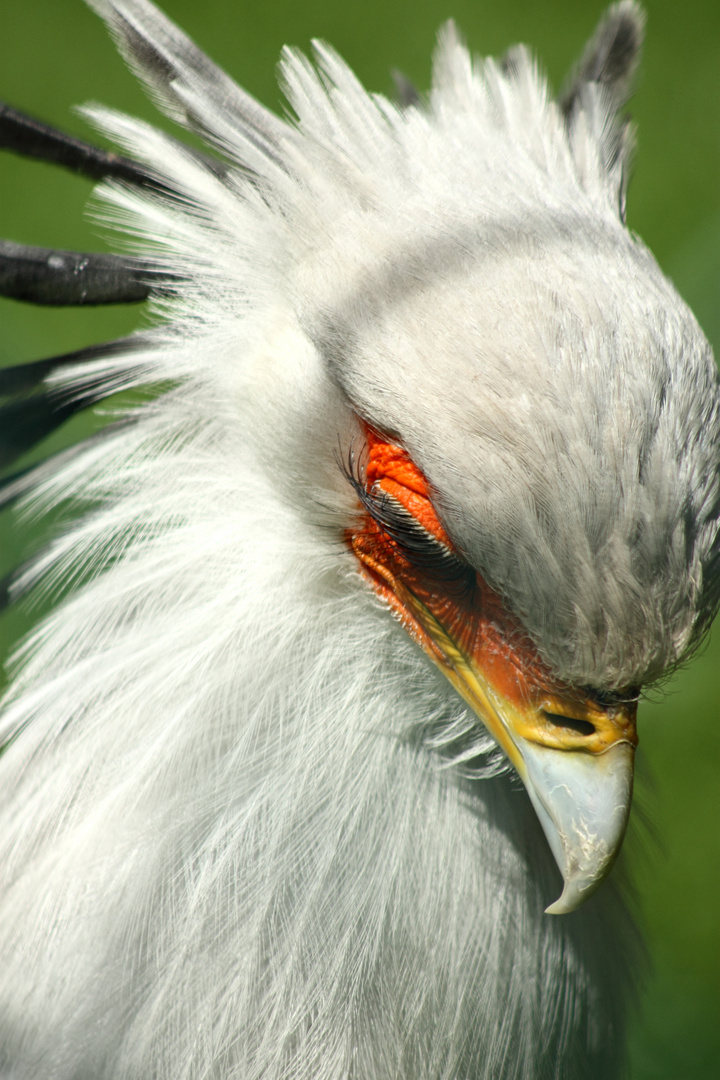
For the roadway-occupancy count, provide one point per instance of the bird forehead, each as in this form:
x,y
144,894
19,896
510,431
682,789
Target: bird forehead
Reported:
x,y
500,306
518,352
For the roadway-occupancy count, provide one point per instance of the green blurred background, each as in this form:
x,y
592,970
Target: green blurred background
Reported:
x,y
55,54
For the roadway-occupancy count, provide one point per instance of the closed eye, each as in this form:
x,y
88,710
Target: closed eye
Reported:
x,y
419,547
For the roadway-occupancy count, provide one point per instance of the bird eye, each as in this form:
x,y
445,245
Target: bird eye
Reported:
x,y
571,723
419,547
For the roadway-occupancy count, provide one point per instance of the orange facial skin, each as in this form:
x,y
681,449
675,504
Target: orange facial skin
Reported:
x,y
468,628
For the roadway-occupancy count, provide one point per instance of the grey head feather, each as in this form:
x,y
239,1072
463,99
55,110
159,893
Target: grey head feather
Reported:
x,y
185,83
406,92
601,83
610,59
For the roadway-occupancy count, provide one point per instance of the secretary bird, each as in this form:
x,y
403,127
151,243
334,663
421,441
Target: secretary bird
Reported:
x,y
418,490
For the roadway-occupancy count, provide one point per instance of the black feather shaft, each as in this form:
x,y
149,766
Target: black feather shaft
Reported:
x,y
31,138
64,278
31,410
23,378
6,599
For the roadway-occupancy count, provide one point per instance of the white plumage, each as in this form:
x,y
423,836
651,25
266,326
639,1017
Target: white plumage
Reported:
x,y
249,830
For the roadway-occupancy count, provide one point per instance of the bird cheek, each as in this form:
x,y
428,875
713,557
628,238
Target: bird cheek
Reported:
x,y
380,568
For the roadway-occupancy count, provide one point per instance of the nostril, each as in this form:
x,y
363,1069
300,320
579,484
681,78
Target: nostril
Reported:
x,y
572,723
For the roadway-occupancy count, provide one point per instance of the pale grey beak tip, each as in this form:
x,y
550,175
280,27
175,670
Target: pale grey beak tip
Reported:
x,y
583,803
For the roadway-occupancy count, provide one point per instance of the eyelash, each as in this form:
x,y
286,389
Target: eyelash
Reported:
x,y
420,549
608,699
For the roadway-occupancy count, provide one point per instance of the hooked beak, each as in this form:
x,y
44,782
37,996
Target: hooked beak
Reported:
x,y
583,803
